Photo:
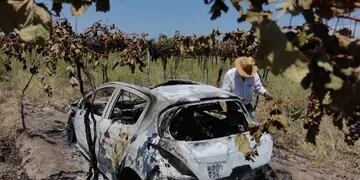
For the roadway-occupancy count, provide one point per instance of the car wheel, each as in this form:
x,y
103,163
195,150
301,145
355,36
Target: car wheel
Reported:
x,y
128,174
70,131
270,174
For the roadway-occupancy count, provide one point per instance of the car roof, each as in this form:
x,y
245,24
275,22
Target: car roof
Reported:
x,y
180,91
190,92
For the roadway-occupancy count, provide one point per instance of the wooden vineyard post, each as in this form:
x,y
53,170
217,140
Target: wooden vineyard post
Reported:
x,y
148,66
221,69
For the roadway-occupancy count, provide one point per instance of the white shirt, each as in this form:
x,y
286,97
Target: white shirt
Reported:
x,y
243,88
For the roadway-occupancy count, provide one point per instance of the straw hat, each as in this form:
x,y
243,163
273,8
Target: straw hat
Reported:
x,y
246,66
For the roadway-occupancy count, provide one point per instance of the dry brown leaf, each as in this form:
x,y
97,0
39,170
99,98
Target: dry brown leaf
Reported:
x,y
243,144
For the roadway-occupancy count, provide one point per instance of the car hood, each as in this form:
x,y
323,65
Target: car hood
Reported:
x,y
218,158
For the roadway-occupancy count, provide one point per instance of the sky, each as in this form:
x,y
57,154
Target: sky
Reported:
x,y
164,16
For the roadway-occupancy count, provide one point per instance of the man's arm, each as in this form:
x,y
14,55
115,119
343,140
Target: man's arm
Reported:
x,y
258,85
226,84
261,89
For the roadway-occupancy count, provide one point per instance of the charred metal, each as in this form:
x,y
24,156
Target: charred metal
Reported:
x,y
176,130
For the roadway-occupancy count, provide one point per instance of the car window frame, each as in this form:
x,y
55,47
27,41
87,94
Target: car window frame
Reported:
x,y
133,91
110,101
165,132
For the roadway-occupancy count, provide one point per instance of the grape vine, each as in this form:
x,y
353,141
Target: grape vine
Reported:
x,y
81,51
329,76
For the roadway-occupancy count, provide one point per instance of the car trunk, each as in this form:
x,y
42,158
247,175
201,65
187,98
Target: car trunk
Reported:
x,y
220,157
205,137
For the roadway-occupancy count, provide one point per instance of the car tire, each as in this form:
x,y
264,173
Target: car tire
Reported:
x,y
128,174
70,131
270,174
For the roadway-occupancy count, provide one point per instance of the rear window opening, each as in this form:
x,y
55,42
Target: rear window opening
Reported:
x,y
207,121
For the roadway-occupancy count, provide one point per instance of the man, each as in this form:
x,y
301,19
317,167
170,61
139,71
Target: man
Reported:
x,y
243,80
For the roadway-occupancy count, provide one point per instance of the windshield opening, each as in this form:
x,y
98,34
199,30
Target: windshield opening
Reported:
x,y
208,120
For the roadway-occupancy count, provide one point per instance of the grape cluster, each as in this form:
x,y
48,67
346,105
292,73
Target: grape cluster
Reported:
x,y
313,117
354,126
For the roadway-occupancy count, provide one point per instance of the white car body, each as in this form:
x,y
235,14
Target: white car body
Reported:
x,y
147,147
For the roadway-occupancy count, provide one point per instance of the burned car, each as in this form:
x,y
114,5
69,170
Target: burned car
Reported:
x,y
176,130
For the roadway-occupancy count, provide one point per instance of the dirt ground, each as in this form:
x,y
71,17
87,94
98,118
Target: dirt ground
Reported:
x,y
45,154
42,152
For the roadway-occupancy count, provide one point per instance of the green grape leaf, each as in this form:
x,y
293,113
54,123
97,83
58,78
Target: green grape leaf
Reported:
x,y
288,6
279,53
78,11
35,34
354,48
30,20
236,4
57,7
353,45
306,4
103,5
335,82
327,66
256,17
217,8
345,99
343,40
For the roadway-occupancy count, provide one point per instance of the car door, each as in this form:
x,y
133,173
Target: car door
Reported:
x,y
125,114
101,100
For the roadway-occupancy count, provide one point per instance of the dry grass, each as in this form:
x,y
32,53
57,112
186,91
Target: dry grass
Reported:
x,y
8,115
330,148
2,98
